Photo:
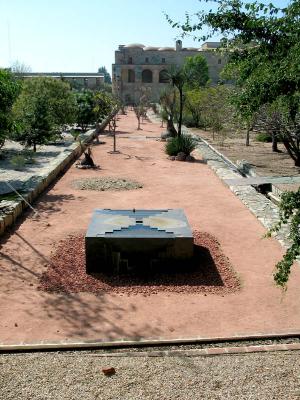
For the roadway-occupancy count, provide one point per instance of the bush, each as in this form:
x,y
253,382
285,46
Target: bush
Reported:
x,y
183,143
189,121
264,137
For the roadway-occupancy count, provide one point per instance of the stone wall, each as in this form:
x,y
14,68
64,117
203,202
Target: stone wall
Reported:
x,y
36,186
138,58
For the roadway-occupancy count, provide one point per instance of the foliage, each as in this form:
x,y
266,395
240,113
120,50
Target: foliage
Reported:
x,y
44,107
9,90
264,61
103,105
140,109
93,107
196,72
85,105
169,105
210,107
263,137
289,212
107,77
193,74
262,42
183,143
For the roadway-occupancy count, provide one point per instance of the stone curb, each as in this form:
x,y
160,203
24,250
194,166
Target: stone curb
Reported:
x,y
211,351
58,165
261,207
142,342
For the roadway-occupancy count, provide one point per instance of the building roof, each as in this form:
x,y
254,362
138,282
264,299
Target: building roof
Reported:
x,y
135,45
149,48
166,49
66,74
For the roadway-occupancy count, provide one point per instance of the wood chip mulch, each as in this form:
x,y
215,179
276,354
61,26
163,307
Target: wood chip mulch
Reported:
x,y
211,272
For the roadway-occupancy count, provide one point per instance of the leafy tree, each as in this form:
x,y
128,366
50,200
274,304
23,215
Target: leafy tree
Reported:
x,y
193,74
196,71
107,77
140,108
35,123
9,90
289,212
264,54
85,105
168,103
43,108
104,104
264,60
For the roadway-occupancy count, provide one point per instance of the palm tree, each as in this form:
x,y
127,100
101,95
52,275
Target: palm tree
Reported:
x,y
177,77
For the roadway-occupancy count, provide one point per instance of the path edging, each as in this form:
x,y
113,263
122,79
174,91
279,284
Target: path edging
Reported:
x,y
89,344
59,163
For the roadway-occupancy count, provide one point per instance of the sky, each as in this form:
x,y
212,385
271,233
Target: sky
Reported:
x,y
82,35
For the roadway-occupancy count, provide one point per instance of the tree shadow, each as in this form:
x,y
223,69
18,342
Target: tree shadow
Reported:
x,y
78,315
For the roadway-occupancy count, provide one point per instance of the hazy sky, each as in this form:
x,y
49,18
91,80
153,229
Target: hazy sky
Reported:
x,y
81,35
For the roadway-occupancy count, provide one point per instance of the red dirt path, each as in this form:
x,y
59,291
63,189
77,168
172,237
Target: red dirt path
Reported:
x,y
30,315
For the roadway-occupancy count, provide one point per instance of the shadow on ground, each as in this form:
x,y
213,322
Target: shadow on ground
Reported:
x,y
209,271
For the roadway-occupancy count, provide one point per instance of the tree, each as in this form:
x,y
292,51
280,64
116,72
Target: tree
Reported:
x,y
107,77
168,103
177,78
262,43
85,105
140,108
19,68
193,74
264,61
104,104
44,107
196,72
9,90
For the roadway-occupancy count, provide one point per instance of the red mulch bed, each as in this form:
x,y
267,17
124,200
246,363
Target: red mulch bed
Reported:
x,y
211,272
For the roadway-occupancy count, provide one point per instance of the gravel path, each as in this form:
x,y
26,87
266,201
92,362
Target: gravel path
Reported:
x,y
72,376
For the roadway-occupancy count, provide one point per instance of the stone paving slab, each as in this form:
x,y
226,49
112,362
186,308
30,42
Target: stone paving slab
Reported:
x,y
260,180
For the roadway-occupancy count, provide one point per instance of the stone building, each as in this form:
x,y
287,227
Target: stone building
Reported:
x,y
93,80
138,66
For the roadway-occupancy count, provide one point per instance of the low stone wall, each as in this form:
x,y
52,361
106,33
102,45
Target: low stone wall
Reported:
x,y
36,186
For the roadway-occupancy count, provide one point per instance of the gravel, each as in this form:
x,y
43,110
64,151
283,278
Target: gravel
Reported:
x,y
105,183
210,272
78,375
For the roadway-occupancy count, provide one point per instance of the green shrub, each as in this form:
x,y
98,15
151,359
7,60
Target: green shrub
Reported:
x,y
189,121
264,137
183,143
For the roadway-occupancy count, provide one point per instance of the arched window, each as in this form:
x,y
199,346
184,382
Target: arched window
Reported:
x,y
147,76
163,76
131,76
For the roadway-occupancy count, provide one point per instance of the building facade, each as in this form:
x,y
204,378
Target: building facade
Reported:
x,y
139,67
79,79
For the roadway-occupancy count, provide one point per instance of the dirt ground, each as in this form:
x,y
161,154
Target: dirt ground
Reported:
x,y
259,154
31,315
